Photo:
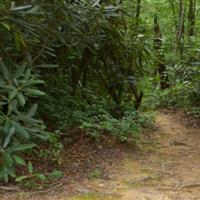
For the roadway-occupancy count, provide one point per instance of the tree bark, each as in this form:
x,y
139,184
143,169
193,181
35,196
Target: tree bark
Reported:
x,y
77,73
180,27
138,11
191,17
160,58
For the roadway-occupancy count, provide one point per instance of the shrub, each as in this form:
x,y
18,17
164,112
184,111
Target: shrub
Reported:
x,y
19,129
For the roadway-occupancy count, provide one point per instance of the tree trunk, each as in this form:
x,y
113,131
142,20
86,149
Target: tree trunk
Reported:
x,y
77,73
138,11
191,17
180,27
160,58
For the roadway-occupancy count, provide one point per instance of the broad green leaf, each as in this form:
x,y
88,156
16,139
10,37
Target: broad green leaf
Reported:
x,y
32,110
41,176
21,99
7,26
29,120
35,92
55,174
41,136
21,178
4,70
46,66
20,147
11,172
7,159
34,82
15,81
6,126
20,70
8,87
19,160
8,138
20,8
27,74
30,167
20,129
35,10
12,94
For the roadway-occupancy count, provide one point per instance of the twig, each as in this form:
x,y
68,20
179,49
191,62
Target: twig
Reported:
x,y
40,52
189,186
52,187
14,189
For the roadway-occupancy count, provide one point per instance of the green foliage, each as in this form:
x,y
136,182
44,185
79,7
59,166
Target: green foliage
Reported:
x,y
183,93
129,126
34,179
53,151
98,60
19,82
18,126
93,114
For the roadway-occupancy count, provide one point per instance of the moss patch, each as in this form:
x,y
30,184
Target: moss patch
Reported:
x,y
93,196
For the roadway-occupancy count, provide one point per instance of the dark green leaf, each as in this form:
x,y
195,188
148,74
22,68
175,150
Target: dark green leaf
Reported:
x,y
20,147
4,70
21,130
21,99
34,92
32,110
41,176
8,138
21,178
55,174
30,167
12,94
19,160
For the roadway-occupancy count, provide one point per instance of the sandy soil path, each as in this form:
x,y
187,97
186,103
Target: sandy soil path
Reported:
x,y
167,168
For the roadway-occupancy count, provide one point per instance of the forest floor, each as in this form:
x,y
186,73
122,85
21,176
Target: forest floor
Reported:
x,y
166,167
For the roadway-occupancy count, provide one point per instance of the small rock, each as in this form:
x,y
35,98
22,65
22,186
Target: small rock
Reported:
x,y
101,185
83,190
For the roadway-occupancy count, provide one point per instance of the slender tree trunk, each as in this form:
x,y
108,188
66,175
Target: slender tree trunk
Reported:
x,y
77,73
191,26
172,4
160,58
174,15
138,95
191,17
180,27
138,11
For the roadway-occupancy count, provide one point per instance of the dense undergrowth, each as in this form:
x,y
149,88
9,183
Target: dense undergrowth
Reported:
x,y
184,92
97,66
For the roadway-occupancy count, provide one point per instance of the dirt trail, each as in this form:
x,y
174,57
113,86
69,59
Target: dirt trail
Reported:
x,y
167,168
